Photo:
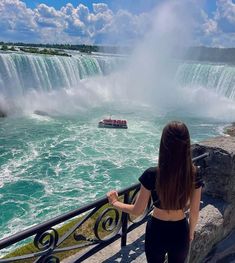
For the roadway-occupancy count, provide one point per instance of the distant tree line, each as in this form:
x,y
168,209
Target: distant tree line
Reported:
x,y
82,48
44,51
226,55
35,50
5,47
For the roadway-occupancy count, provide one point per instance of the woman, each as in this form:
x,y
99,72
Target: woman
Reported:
x,y
175,184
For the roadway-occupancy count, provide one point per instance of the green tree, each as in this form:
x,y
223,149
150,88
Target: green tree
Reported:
x,y
4,47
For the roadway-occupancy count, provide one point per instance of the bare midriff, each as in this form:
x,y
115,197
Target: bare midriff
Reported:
x,y
168,215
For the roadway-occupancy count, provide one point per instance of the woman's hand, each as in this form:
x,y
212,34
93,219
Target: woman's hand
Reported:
x,y
112,196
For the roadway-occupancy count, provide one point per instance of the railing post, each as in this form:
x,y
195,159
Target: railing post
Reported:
x,y
124,222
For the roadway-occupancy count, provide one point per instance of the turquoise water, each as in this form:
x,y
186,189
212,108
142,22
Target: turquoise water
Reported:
x,y
51,165
58,162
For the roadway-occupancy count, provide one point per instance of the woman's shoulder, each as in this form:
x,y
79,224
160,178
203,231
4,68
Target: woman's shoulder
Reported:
x,y
148,178
151,170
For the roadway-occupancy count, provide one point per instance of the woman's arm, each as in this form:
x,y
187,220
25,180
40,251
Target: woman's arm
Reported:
x,y
137,208
194,211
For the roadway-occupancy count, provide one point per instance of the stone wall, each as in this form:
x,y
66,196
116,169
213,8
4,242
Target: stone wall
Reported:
x,y
217,215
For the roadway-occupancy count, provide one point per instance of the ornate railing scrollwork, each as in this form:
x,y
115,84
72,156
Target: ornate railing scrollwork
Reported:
x,y
109,223
46,240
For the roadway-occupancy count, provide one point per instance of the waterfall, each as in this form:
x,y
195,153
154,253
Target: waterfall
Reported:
x,y
217,77
30,82
22,72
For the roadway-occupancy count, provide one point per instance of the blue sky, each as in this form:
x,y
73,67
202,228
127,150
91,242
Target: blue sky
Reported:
x,y
115,22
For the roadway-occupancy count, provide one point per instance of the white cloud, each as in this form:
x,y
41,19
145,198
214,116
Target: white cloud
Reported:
x,y
69,24
100,8
47,12
226,9
217,29
68,9
79,24
210,26
16,19
83,13
222,25
127,24
223,40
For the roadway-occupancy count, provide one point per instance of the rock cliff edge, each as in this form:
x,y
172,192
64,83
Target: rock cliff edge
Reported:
x,y
217,215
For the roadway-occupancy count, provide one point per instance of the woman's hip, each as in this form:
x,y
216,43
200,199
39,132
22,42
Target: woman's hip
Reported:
x,y
161,230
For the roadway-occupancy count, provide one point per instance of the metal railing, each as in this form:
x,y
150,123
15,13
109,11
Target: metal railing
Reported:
x,y
93,227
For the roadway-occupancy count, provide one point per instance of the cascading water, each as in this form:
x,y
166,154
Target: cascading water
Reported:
x,y
24,74
33,76
20,72
219,78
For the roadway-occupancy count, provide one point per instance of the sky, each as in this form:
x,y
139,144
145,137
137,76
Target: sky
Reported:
x,y
111,22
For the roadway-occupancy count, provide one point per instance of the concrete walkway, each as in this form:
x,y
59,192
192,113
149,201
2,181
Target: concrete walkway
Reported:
x,y
133,252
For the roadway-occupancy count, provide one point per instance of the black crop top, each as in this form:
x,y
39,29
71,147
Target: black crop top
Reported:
x,y
148,180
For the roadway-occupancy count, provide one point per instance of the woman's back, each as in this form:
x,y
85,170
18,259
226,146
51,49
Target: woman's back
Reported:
x,y
173,185
168,215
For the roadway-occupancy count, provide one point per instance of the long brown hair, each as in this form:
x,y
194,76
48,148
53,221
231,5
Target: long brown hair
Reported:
x,y
175,168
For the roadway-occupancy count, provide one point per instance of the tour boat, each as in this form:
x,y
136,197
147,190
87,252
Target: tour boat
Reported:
x,y
112,123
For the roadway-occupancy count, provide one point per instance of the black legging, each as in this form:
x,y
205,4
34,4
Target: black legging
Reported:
x,y
171,237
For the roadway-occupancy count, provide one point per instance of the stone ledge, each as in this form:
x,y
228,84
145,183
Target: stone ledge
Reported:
x,y
226,143
219,174
208,231
217,218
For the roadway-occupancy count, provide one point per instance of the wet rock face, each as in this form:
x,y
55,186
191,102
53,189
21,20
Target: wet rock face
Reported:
x,y
217,214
